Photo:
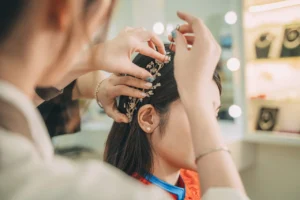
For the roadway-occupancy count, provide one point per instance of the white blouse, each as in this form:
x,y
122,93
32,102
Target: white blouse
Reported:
x,y
30,171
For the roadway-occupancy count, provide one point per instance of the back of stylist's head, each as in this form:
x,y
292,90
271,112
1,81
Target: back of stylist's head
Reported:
x,y
39,38
38,41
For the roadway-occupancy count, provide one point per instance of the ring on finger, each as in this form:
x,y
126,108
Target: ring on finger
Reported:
x,y
167,59
178,27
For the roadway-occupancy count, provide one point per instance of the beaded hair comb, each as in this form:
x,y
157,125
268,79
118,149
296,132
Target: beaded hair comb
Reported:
x,y
131,106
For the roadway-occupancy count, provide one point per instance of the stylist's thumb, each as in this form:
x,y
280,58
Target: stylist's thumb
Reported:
x,y
180,41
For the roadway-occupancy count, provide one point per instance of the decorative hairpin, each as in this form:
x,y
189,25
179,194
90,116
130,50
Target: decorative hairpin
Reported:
x,y
154,67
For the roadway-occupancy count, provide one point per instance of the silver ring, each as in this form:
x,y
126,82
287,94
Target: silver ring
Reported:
x,y
167,59
177,27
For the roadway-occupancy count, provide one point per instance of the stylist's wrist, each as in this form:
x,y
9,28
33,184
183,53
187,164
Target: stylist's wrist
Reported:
x,y
96,59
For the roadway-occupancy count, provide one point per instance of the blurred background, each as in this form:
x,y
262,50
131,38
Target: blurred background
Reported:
x,y
259,68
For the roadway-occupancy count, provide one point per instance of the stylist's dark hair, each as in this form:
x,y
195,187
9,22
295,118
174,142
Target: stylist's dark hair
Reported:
x,y
127,146
10,10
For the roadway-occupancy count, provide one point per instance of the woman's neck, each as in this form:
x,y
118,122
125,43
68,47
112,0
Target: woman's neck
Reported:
x,y
165,171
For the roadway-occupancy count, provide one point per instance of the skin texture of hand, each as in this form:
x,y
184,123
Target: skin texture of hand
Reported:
x,y
194,70
115,86
116,54
194,67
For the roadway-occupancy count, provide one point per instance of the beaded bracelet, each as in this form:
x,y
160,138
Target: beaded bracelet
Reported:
x,y
96,94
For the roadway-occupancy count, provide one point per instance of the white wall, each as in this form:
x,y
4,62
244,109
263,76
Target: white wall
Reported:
x,y
145,13
275,174
211,11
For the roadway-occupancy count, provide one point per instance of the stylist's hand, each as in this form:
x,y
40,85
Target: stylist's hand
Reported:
x,y
115,86
116,53
194,67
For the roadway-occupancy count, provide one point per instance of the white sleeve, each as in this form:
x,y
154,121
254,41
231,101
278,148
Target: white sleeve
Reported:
x,y
25,176
224,194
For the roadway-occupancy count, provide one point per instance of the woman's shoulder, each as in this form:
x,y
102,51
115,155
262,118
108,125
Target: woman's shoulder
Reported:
x,y
192,184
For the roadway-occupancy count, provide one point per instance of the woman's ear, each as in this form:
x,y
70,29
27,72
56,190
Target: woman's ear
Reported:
x,y
148,118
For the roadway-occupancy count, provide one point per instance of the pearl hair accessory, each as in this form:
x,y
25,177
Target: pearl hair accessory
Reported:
x,y
154,67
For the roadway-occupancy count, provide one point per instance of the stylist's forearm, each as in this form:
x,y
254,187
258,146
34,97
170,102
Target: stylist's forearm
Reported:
x,y
216,169
77,71
82,65
86,85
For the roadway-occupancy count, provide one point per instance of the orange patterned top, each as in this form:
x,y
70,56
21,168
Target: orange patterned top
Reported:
x,y
187,188
191,180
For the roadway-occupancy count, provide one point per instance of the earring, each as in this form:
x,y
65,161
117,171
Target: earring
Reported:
x,y
148,129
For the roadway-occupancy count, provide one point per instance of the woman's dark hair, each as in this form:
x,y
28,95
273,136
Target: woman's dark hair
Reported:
x,y
127,146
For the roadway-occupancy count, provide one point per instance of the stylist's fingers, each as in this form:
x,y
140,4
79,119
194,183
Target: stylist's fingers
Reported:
x,y
196,24
116,115
151,45
147,51
181,45
172,47
123,90
130,68
202,33
158,43
146,36
189,39
192,21
185,28
131,81
170,38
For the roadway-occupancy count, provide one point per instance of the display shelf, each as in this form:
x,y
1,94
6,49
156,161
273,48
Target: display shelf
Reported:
x,y
277,78
273,100
295,61
277,138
